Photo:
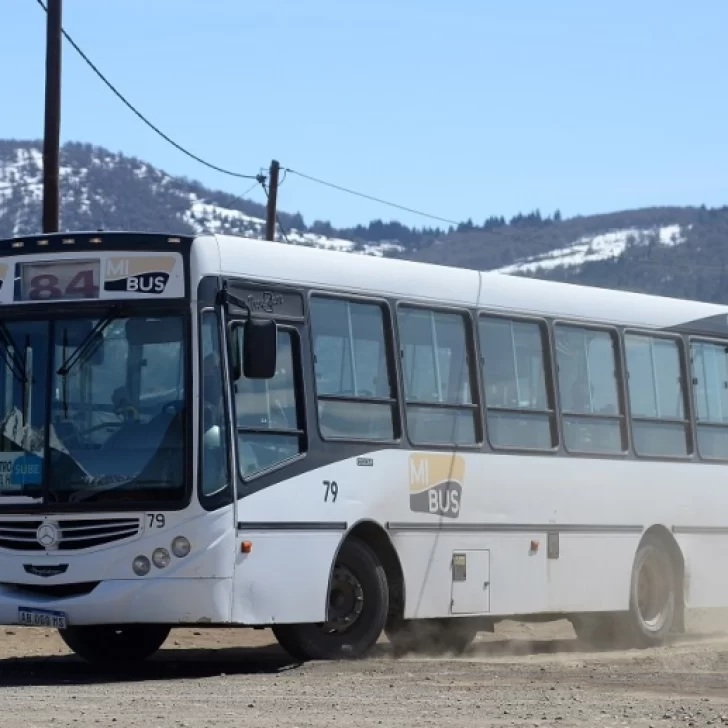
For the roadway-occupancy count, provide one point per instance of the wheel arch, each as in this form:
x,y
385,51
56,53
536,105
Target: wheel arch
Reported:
x,y
673,550
376,537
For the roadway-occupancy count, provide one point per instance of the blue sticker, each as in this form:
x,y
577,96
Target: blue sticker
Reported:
x,y
27,470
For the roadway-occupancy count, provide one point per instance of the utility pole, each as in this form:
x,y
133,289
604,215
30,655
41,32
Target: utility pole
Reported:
x,y
270,223
52,132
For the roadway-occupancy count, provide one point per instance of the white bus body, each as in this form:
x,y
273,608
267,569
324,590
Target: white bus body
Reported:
x,y
438,448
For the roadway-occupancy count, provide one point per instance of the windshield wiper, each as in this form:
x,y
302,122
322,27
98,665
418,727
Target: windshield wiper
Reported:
x,y
89,345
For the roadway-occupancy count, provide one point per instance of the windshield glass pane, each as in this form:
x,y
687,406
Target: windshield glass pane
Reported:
x,y
117,398
23,376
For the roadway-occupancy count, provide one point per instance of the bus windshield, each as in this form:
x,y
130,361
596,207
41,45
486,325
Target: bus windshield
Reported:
x,y
92,409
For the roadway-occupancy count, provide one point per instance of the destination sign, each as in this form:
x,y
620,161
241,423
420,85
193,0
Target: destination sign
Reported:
x,y
63,280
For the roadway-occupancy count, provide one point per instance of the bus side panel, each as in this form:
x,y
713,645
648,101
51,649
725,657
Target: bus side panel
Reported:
x,y
285,577
591,574
705,570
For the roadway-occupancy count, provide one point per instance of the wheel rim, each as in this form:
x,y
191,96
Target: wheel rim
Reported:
x,y
346,601
653,593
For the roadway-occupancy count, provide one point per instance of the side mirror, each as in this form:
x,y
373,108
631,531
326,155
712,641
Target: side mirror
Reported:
x,y
259,349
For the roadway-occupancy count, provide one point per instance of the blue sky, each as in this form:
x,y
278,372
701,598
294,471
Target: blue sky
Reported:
x,y
465,108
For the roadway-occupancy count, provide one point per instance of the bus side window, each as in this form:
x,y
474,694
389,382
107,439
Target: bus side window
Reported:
x,y
592,416
269,412
438,377
519,406
656,395
354,379
214,472
710,387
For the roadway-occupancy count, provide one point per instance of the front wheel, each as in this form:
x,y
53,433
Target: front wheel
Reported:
x,y
123,644
358,606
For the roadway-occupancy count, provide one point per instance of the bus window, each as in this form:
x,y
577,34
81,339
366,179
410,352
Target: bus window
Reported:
x,y
656,396
438,377
354,382
710,387
590,403
519,412
214,472
269,413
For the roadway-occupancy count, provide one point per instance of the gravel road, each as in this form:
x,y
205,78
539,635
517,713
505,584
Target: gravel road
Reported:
x,y
536,675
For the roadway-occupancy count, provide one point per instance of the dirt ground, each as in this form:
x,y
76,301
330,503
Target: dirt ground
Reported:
x,y
524,675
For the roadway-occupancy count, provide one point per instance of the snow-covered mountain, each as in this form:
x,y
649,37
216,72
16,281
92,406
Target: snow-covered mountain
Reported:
x,y
94,183
590,249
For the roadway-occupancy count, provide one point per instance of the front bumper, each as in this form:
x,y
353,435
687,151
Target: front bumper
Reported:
x,y
124,601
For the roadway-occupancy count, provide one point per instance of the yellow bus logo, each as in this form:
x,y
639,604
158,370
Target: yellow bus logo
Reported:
x,y
436,484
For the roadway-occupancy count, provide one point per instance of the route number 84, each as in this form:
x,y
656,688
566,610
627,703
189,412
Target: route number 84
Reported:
x,y
47,286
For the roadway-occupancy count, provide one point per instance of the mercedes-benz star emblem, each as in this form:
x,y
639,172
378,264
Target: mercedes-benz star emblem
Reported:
x,y
47,535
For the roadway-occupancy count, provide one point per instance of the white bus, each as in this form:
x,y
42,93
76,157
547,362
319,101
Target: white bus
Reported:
x,y
221,431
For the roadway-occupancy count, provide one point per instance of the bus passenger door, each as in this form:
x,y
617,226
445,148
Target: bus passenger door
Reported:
x,y
269,422
217,481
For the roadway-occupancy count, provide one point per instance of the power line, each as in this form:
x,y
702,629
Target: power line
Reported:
x,y
141,116
371,197
259,180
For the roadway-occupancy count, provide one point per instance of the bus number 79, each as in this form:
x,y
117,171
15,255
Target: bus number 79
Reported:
x,y
331,488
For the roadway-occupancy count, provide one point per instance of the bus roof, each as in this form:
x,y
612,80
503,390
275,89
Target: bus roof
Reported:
x,y
426,282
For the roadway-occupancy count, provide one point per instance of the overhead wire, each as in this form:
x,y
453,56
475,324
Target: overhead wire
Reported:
x,y
138,113
371,197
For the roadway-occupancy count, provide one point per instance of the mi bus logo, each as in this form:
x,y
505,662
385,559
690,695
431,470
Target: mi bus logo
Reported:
x,y
138,275
436,484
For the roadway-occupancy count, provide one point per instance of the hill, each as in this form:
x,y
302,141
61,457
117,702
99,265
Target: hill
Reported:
x,y
678,251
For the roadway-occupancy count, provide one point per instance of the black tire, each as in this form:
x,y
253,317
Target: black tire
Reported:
x,y
653,596
430,636
359,580
111,645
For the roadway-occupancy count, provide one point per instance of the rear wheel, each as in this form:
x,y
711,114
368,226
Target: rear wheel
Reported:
x,y
653,601
653,595
122,644
358,605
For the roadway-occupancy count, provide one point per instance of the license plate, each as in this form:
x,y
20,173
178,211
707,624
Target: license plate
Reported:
x,y
41,618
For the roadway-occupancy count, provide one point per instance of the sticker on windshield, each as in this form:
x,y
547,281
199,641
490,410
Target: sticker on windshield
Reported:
x,y
7,464
27,470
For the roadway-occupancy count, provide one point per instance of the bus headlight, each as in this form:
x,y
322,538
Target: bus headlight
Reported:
x,y
161,558
181,547
141,565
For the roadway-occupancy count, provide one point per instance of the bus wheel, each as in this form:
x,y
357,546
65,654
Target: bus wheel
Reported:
x,y
107,644
358,605
653,595
430,636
